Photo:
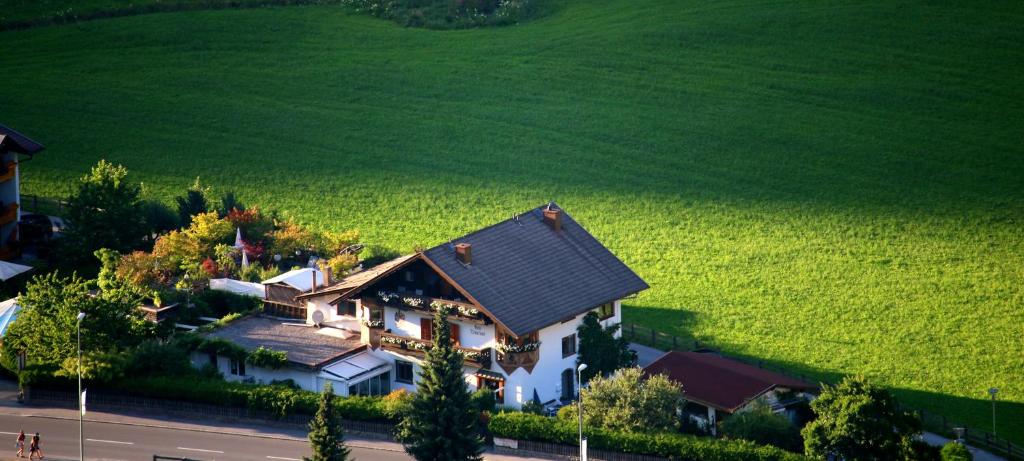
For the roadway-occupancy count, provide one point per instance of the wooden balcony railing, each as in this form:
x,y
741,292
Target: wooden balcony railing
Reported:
x,y
509,361
461,311
418,348
9,213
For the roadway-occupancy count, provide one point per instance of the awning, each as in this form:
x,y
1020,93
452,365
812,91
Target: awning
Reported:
x,y
357,367
488,374
9,270
8,312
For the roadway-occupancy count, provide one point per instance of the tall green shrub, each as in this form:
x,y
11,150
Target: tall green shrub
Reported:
x,y
628,401
442,424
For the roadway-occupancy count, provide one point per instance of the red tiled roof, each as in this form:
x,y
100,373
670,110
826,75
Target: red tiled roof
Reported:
x,y
719,382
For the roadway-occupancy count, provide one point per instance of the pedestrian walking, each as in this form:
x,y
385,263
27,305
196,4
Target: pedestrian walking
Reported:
x,y
34,449
20,444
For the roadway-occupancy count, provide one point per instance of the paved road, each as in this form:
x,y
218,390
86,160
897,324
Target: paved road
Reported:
x,y
105,441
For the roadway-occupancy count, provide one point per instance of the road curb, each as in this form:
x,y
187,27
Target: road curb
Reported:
x,y
200,429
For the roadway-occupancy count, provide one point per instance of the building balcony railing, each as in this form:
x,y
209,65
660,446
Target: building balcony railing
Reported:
x,y
461,311
8,213
418,348
509,360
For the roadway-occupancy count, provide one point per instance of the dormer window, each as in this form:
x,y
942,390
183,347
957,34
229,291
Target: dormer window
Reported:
x,y
409,276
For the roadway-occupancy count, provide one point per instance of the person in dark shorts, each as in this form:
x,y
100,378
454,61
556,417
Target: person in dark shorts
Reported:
x,y
34,449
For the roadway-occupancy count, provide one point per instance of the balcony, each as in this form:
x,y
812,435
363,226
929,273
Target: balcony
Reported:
x,y
7,172
461,311
509,360
418,348
8,213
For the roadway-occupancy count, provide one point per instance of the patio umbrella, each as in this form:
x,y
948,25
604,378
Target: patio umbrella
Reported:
x,y
9,270
238,238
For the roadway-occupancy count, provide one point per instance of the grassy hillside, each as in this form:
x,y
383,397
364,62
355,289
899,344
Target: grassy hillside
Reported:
x,y
833,186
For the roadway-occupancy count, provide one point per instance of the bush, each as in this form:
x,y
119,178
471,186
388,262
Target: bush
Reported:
x,y
526,426
279,400
218,303
263,357
923,451
484,400
532,407
762,426
397,404
954,451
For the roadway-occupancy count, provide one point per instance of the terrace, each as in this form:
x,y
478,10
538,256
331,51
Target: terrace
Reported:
x,y
460,310
418,348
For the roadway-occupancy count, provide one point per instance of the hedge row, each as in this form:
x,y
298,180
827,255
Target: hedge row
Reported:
x,y
525,426
280,400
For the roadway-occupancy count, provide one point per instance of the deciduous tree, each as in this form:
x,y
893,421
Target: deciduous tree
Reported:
x,y
859,421
105,212
627,401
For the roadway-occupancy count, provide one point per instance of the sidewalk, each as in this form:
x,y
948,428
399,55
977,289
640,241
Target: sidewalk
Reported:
x,y
268,431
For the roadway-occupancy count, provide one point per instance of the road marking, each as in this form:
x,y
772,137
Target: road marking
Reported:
x,y
12,433
286,459
200,449
111,441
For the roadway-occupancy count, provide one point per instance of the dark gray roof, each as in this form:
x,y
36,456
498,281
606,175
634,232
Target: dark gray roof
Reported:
x,y
529,276
303,344
17,142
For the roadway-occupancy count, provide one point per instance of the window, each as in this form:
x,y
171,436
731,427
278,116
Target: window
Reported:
x,y
377,385
569,345
347,308
408,276
606,311
455,334
403,372
377,314
238,367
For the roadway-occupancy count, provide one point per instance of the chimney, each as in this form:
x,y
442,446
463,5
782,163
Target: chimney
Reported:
x,y
328,275
313,274
464,253
553,217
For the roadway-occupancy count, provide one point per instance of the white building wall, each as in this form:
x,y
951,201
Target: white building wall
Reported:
x,y
546,377
306,379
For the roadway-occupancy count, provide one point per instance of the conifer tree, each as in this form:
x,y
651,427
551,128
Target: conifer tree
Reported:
x,y
325,433
442,425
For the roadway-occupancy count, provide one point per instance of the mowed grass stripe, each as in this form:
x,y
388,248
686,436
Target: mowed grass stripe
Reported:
x,y
834,187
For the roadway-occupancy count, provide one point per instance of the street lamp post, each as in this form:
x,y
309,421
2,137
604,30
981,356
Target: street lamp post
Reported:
x,y
993,391
188,291
81,404
579,403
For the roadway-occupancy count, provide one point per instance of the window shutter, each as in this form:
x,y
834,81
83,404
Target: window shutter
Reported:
x,y
426,329
455,334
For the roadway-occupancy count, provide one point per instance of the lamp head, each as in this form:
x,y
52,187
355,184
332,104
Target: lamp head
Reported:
x,y
81,315
993,391
582,367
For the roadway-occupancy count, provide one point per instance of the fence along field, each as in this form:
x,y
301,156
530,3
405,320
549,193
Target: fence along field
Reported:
x,y
828,187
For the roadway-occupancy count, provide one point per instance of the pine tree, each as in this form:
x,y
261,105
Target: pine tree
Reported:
x,y
442,425
600,349
325,433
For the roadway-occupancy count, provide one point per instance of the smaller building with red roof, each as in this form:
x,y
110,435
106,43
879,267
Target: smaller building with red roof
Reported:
x,y
716,386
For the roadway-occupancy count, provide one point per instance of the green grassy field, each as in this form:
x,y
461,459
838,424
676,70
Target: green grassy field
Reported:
x,y
833,186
